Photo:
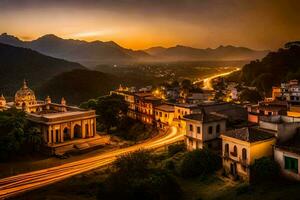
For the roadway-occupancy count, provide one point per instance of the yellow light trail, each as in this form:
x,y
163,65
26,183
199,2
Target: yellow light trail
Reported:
x,y
207,82
15,185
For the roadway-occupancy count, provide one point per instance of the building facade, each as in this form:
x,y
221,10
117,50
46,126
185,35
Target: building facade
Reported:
x,y
204,130
241,147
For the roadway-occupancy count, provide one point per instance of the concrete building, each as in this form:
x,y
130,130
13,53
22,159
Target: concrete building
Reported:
x,y
283,127
204,130
287,154
266,108
241,147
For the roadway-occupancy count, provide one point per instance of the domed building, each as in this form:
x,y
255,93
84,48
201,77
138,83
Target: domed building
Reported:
x,y
25,97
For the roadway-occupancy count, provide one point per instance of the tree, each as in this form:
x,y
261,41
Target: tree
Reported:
x,y
186,84
135,176
252,96
17,134
199,162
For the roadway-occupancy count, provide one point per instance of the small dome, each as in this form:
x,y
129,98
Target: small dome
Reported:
x,y
2,98
25,96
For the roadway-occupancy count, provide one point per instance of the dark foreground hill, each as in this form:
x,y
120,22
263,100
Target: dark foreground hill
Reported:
x,y
81,85
18,63
273,69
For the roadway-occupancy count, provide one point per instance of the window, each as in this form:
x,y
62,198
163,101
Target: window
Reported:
x,y
210,130
191,127
234,153
166,115
244,154
218,128
291,164
226,148
198,129
160,114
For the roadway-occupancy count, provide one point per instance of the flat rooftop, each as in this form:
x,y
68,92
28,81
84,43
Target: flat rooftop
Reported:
x,y
165,107
205,117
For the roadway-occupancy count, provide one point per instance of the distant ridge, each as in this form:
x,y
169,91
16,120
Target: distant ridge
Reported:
x,y
98,52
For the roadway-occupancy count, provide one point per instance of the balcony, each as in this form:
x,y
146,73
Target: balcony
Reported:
x,y
243,162
233,153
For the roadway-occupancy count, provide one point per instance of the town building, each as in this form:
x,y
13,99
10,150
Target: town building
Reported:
x,y
164,115
290,91
283,127
63,128
266,108
204,129
287,155
180,110
240,148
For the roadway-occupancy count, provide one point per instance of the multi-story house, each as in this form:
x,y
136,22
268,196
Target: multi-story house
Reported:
x,y
180,110
164,115
287,154
266,108
204,130
144,106
241,147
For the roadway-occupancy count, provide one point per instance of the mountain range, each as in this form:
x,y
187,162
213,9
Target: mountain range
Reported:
x,y
98,52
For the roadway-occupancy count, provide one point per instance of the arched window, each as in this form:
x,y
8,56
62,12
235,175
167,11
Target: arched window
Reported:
x,y
234,153
244,154
226,148
218,128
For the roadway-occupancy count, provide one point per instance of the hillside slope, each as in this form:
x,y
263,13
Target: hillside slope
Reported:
x,y
273,69
18,63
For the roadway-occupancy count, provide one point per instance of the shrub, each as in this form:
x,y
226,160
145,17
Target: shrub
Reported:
x,y
264,169
199,163
136,176
175,148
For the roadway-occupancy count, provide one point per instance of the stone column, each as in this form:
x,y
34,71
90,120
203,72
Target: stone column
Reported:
x,y
94,126
72,130
49,135
53,135
82,129
61,134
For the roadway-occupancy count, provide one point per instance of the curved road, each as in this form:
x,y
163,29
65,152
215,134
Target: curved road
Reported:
x,y
14,185
207,82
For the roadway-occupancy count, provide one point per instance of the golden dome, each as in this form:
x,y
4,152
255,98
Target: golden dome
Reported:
x,y
25,96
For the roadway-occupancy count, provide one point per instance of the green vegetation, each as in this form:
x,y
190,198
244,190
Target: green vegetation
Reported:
x,y
136,176
17,135
199,163
273,69
253,96
176,148
111,110
130,129
265,169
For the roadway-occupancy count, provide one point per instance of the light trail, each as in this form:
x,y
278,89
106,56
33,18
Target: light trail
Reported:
x,y
15,185
207,82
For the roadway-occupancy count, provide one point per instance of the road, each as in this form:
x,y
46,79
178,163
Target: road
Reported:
x,y
207,82
15,185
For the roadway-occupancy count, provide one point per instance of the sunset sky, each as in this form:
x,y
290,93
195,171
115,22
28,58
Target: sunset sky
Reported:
x,y
139,24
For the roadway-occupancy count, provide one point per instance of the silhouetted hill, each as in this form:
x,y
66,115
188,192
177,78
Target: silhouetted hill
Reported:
x,y
18,63
90,53
229,52
98,52
273,69
81,85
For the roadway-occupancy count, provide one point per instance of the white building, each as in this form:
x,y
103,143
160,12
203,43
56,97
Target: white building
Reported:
x,y
203,130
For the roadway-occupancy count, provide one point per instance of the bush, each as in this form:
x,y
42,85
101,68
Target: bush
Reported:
x,y
199,163
135,176
175,148
264,169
